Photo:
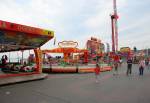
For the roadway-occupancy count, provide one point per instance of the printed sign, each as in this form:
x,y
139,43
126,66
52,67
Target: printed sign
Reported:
x,y
67,44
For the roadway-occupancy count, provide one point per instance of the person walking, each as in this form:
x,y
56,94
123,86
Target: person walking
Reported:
x,y
116,68
120,62
116,63
129,66
97,72
141,66
147,63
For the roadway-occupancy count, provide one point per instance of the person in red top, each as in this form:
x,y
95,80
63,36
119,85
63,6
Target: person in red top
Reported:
x,y
97,72
116,62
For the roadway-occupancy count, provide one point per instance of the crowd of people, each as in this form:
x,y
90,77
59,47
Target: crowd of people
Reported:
x,y
143,63
117,62
14,66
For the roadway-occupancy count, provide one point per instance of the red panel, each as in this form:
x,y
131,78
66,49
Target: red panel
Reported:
x,y
15,37
20,28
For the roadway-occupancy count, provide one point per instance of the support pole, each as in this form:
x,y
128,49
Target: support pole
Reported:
x,y
113,34
38,58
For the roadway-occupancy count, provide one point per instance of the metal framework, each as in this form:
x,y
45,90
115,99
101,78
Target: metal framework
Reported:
x,y
114,26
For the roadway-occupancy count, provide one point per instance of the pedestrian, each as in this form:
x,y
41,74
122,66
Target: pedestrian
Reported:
x,y
97,72
141,66
120,62
116,68
116,61
147,63
129,66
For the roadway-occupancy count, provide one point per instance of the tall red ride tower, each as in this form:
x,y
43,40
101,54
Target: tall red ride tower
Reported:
x,y
114,26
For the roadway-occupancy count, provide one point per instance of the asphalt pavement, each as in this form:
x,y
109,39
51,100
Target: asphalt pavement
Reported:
x,y
82,88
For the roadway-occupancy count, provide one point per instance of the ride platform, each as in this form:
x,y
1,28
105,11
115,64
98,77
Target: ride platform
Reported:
x,y
21,78
74,69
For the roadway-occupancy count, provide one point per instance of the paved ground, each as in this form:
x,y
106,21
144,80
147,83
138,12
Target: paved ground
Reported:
x,y
81,88
9,79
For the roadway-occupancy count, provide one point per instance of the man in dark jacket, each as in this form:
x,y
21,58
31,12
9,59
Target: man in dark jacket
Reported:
x,y
129,66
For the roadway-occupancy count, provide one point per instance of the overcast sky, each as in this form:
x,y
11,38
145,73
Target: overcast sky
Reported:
x,y
78,20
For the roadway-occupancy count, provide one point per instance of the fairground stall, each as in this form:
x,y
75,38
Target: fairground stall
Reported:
x,y
16,37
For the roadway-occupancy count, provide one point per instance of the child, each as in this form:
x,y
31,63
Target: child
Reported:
x,y
97,71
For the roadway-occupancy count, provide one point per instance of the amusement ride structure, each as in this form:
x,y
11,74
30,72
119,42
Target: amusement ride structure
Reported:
x,y
67,48
17,37
114,25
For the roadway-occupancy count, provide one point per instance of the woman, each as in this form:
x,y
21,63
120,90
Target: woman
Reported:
x,y
141,66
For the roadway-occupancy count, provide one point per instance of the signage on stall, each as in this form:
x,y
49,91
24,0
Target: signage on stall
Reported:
x,y
67,44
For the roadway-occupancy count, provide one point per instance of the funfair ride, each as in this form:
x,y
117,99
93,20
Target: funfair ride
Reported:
x,y
17,37
114,25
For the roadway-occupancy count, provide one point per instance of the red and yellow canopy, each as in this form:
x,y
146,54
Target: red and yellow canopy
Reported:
x,y
15,37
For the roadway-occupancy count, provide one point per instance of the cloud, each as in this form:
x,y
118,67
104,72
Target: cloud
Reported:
x,y
78,20
134,24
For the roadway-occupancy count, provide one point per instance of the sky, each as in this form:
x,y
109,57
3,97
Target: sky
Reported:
x,y
78,20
